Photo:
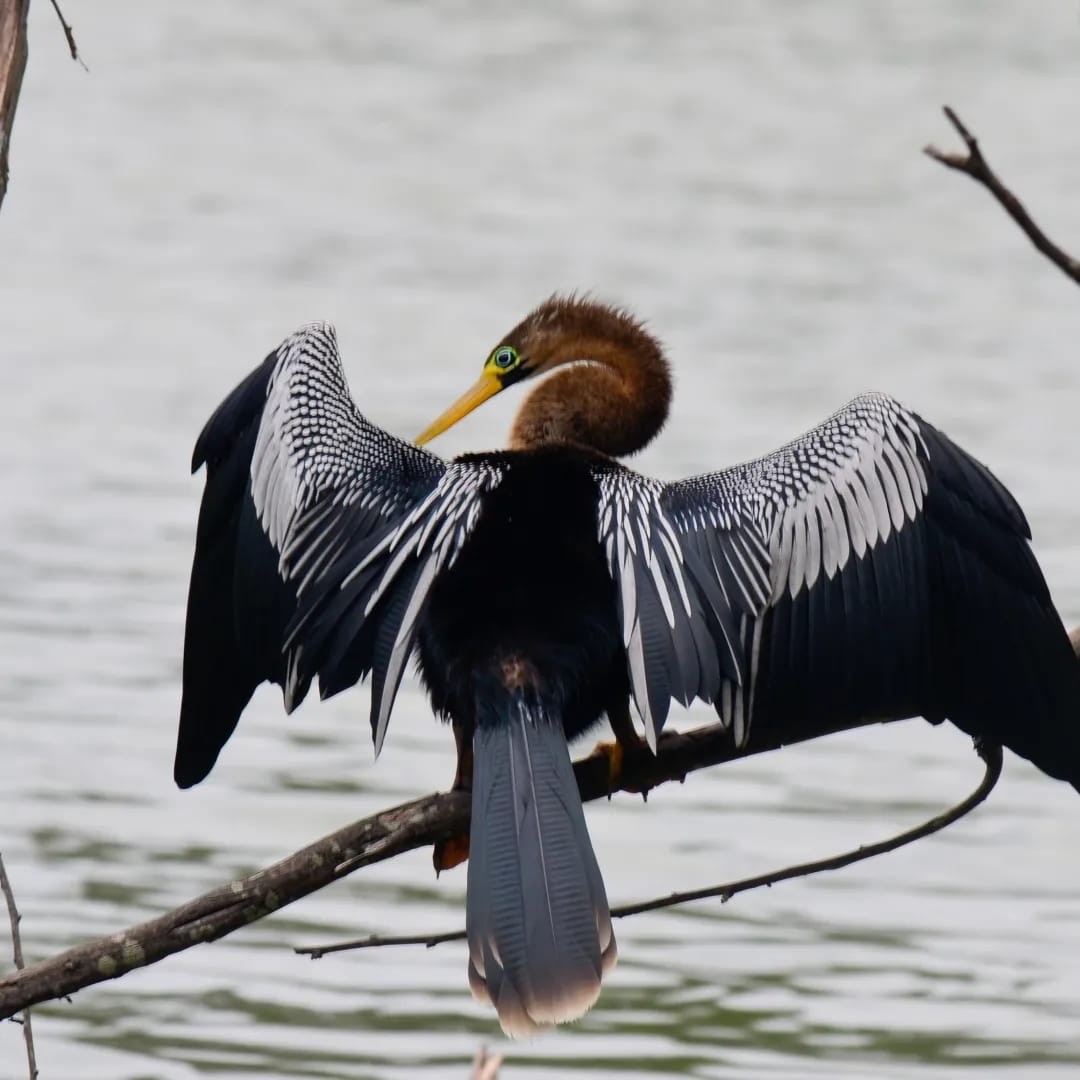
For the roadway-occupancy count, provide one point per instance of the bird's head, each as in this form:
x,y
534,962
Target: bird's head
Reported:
x,y
526,351
613,399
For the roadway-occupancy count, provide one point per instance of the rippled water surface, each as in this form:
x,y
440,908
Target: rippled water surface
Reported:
x,y
748,177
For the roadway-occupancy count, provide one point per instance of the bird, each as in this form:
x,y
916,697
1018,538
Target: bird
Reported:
x,y
869,568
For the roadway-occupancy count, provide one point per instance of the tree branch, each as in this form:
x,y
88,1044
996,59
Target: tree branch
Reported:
x,y
989,752
69,34
12,66
411,825
484,1067
414,824
974,164
16,949
991,755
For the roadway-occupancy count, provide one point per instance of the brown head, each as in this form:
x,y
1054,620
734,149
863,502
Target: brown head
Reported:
x,y
612,397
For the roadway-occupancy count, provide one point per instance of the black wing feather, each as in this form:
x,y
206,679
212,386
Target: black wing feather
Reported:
x,y
301,490
900,583
233,632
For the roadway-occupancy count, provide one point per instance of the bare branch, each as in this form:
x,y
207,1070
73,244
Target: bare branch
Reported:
x,y
990,754
16,948
974,164
238,903
69,34
485,1067
380,941
415,824
12,67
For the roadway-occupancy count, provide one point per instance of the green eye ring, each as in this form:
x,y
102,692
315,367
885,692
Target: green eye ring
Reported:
x,y
504,358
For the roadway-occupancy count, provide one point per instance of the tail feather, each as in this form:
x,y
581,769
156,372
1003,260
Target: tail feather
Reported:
x,y
537,917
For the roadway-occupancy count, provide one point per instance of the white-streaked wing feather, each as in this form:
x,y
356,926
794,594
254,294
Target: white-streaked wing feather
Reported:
x,y
355,515
746,539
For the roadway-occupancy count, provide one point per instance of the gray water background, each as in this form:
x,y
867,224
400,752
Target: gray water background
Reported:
x,y
747,176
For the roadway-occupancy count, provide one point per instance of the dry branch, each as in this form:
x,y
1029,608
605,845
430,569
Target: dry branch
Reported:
x,y
69,36
13,53
485,1067
12,66
991,755
974,164
16,951
391,832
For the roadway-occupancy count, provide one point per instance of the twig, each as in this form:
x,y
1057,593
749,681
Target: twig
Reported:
x,y
990,754
70,35
378,941
16,948
974,164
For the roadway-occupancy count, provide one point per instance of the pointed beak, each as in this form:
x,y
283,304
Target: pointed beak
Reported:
x,y
487,386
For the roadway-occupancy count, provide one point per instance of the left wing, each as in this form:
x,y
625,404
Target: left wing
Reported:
x,y
319,536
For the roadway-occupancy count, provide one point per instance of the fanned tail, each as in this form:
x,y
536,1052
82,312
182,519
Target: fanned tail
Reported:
x,y
537,917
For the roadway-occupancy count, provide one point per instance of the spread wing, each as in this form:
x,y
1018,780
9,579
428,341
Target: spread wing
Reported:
x,y
319,536
869,569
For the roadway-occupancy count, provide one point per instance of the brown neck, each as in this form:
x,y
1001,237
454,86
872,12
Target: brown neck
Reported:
x,y
614,396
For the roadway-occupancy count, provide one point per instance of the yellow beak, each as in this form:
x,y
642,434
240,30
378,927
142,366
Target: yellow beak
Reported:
x,y
488,385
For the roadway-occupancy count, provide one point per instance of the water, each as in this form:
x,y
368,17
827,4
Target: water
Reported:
x,y
747,176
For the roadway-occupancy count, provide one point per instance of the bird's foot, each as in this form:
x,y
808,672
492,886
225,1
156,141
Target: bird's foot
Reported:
x,y
627,741
451,852
454,850
615,755
616,752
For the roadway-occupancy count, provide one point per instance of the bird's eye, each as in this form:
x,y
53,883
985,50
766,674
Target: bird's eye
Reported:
x,y
504,358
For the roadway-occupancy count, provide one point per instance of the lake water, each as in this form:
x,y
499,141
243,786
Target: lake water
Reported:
x,y
745,175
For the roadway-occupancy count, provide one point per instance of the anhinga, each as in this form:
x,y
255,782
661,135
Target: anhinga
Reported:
x,y
870,568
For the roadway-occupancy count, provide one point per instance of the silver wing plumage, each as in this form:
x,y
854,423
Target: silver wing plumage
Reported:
x,y
870,568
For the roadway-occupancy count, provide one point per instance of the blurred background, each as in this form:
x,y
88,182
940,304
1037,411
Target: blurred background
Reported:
x,y
747,177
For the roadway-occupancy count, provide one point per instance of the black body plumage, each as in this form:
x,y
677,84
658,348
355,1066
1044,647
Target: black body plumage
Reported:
x,y
869,569
520,644
529,597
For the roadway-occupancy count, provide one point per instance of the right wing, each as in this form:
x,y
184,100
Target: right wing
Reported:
x,y
319,537
868,569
